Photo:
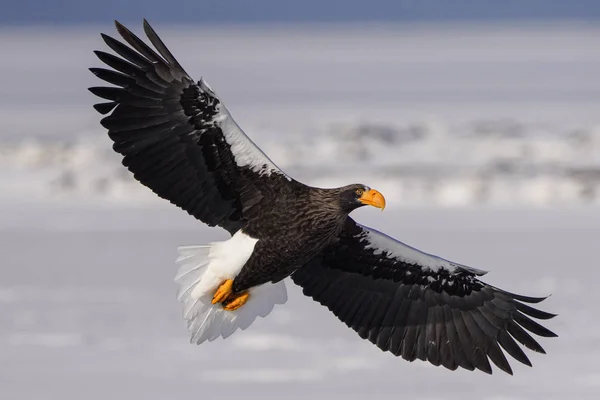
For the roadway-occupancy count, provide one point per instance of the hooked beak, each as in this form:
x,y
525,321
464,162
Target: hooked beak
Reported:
x,y
373,198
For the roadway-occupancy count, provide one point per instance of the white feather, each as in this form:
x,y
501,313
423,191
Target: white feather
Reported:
x,y
202,269
245,152
381,242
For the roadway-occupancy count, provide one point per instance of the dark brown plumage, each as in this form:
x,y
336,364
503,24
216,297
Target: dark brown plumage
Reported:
x,y
177,138
313,220
448,318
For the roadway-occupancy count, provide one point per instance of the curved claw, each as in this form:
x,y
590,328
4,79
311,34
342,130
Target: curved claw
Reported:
x,y
223,292
236,301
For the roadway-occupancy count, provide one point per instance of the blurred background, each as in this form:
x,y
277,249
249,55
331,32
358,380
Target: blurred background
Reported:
x,y
478,120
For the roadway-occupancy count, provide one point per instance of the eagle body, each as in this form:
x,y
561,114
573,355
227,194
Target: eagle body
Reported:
x,y
291,234
177,138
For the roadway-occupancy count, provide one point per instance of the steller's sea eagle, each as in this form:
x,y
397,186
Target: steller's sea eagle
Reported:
x,y
177,138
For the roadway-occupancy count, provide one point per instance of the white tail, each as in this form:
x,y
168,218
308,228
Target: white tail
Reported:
x,y
200,275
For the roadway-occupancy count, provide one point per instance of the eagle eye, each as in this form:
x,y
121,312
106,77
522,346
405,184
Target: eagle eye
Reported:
x,y
360,191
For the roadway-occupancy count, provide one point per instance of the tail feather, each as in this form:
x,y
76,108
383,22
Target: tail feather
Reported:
x,y
192,260
207,321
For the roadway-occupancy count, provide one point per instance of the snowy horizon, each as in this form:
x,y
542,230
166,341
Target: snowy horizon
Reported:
x,y
433,115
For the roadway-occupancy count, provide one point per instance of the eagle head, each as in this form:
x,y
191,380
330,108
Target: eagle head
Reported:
x,y
355,196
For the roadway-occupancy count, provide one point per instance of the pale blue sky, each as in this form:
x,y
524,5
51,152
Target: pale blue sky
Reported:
x,y
256,11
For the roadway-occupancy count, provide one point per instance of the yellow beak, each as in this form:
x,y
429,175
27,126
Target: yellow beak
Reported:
x,y
373,198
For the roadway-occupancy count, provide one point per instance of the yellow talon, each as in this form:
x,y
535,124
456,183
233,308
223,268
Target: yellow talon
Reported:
x,y
231,302
223,292
237,301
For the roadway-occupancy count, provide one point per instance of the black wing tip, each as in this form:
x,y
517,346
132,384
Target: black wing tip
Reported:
x,y
119,25
97,71
94,89
123,30
529,299
101,55
108,93
109,40
533,312
549,315
551,334
526,361
105,108
485,368
539,349
520,297
148,30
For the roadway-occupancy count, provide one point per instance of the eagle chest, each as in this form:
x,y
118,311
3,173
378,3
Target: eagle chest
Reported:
x,y
292,240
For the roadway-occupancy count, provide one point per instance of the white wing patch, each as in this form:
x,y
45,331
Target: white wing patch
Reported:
x,y
244,150
381,242
202,269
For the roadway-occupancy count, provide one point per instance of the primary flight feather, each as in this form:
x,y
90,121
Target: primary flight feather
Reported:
x,y
177,138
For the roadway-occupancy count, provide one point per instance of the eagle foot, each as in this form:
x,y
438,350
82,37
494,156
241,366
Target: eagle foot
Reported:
x,y
235,301
223,292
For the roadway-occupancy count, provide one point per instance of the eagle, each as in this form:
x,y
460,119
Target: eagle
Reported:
x,y
177,138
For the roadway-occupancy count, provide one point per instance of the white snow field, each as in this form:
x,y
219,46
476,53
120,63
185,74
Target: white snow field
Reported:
x,y
88,310
485,141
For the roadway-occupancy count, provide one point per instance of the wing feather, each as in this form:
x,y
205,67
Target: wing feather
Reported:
x,y
176,136
420,306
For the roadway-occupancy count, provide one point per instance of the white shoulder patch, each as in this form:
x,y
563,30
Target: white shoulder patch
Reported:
x,y
245,151
381,242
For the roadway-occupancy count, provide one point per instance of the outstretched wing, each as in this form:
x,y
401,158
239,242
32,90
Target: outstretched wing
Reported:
x,y
417,305
176,136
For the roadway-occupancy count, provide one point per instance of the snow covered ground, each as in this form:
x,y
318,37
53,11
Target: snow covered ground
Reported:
x,y
88,310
